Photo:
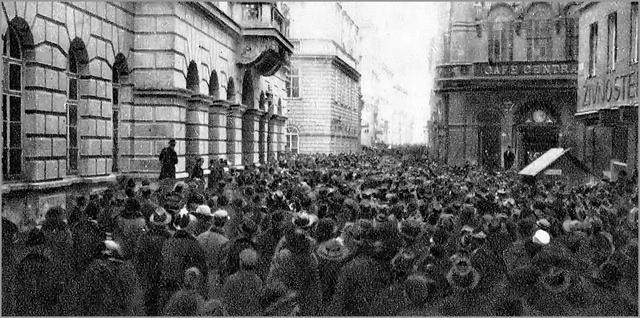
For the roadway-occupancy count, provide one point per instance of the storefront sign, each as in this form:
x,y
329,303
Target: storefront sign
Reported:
x,y
609,90
526,69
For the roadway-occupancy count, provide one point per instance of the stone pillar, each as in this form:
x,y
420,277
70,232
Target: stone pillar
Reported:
x,y
250,136
234,134
218,129
156,117
197,130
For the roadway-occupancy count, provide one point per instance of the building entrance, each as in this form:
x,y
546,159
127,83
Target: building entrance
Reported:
x,y
489,141
537,131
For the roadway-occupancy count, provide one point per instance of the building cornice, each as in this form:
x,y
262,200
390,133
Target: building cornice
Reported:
x,y
210,10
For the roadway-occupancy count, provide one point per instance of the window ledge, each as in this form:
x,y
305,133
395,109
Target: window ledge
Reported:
x,y
293,98
18,186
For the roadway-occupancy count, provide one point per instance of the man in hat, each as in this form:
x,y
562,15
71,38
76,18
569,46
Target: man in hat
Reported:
x,y
509,158
179,253
246,231
212,242
169,160
150,257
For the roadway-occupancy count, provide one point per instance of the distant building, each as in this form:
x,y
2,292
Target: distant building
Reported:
x,y
323,95
506,76
95,90
607,103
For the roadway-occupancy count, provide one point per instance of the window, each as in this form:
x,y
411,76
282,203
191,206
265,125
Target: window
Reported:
x,y
293,83
11,106
612,41
500,42
634,33
593,48
539,40
571,40
116,118
293,140
72,115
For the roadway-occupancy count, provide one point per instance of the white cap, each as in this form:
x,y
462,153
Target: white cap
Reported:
x,y
541,237
203,209
221,214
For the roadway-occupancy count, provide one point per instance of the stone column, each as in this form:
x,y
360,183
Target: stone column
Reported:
x,y
250,136
197,130
156,117
218,129
234,134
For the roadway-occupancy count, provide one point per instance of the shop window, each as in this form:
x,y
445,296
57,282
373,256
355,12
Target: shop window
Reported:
x,y
634,33
501,42
593,49
539,40
619,146
12,84
72,115
293,140
612,41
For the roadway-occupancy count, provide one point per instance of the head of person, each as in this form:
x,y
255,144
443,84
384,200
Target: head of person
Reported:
x,y
172,143
248,259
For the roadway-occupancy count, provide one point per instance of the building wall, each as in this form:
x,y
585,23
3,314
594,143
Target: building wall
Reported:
x,y
328,111
152,44
607,102
469,84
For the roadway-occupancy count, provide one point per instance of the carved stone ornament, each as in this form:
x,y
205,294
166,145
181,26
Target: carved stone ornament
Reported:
x,y
254,46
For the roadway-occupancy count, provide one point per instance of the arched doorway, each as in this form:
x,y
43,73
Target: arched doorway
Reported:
x,y
489,123
537,128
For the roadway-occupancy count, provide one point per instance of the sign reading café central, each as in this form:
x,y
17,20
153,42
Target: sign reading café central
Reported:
x,y
547,68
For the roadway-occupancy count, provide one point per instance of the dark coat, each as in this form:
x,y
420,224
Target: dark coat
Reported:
x,y
180,253
299,273
168,160
359,283
242,292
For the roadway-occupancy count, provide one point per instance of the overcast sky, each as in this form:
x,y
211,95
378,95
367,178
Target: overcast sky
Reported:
x,y
405,28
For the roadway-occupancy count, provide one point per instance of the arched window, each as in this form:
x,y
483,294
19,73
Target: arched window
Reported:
x,y
539,32
72,114
119,68
78,58
12,58
293,139
501,35
231,90
247,89
214,86
193,78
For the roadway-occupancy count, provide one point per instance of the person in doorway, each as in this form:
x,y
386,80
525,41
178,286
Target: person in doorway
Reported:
x,y
509,158
169,160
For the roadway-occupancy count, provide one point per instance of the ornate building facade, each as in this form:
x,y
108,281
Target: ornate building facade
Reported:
x,y
324,100
94,90
607,105
506,76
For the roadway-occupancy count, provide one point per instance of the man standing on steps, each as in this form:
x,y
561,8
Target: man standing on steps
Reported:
x,y
168,159
509,158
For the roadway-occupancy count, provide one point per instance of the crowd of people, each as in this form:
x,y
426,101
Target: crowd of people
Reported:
x,y
367,234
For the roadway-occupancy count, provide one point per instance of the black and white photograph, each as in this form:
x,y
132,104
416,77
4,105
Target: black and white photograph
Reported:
x,y
319,158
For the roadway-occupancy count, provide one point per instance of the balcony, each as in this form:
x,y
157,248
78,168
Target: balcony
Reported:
x,y
264,36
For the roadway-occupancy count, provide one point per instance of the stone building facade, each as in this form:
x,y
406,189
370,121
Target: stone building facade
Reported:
x,y
94,90
324,102
607,104
506,76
